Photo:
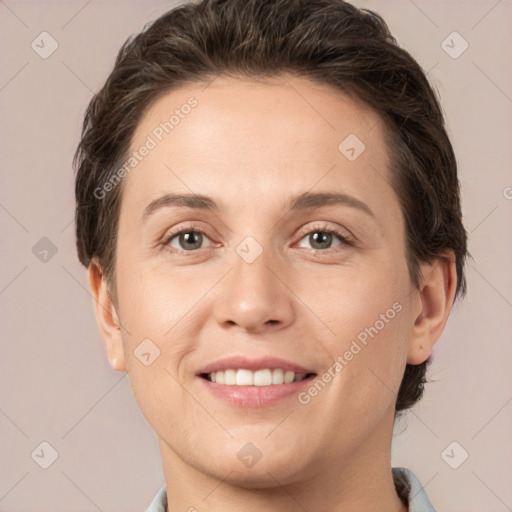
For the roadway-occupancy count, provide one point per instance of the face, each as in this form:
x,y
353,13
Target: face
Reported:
x,y
274,279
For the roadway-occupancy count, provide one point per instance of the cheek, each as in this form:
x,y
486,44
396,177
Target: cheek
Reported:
x,y
159,311
155,342
367,316
152,301
350,299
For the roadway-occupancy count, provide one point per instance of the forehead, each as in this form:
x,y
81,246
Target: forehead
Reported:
x,y
238,107
238,138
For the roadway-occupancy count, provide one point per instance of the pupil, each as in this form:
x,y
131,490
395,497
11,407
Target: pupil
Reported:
x,y
185,239
326,237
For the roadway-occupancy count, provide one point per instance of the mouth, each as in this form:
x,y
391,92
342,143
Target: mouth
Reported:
x,y
245,382
264,377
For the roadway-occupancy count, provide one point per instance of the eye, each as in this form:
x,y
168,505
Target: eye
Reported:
x,y
191,238
188,238
321,238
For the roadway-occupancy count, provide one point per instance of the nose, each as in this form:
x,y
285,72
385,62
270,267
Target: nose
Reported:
x,y
255,295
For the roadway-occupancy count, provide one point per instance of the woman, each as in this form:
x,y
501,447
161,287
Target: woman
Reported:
x,y
268,207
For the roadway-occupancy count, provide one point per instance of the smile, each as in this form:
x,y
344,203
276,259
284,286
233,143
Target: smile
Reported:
x,y
264,377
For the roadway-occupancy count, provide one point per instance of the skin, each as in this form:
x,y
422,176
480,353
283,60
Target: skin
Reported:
x,y
252,146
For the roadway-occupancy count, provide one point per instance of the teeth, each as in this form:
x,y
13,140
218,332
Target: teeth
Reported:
x,y
262,378
266,377
243,377
230,377
277,376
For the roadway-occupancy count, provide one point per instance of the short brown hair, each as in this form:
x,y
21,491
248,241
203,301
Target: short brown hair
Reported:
x,y
329,41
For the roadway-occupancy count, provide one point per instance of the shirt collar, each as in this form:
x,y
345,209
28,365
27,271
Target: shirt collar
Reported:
x,y
414,492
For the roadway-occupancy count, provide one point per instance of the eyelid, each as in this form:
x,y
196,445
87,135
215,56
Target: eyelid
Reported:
x,y
343,234
323,226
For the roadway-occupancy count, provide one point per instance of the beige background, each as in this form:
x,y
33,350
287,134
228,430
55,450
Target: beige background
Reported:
x,y
55,381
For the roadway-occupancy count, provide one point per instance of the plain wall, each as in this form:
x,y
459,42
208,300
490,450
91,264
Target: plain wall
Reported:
x,y
55,381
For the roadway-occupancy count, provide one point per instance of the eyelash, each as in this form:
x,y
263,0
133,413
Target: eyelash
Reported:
x,y
322,229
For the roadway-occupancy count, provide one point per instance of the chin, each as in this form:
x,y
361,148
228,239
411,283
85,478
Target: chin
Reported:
x,y
262,473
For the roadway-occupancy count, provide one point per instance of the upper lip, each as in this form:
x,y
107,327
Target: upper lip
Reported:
x,y
253,364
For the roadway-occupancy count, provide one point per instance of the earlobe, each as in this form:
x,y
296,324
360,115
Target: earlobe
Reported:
x,y
106,316
435,299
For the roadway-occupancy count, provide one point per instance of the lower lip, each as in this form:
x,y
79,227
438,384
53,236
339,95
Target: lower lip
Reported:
x,y
255,396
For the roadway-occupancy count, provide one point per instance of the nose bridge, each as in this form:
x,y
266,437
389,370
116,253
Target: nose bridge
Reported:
x,y
254,249
252,295
252,263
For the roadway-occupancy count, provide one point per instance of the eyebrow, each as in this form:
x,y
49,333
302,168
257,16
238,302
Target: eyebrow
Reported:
x,y
305,201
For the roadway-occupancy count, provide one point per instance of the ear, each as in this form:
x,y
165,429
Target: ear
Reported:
x,y
435,295
106,316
